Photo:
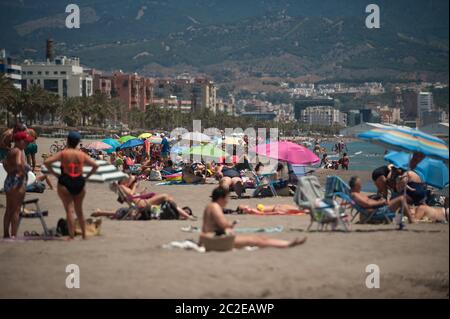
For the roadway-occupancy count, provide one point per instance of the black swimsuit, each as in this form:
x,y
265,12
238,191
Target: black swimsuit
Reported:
x,y
74,185
73,182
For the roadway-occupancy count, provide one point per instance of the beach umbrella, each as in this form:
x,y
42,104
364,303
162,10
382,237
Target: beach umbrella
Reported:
x,y
407,139
432,172
287,152
98,146
231,140
126,138
105,172
145,135
196,137
132,143
113,143
155,140
178,149
205,151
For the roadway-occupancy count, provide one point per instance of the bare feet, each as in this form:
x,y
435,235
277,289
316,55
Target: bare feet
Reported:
x,y
297,242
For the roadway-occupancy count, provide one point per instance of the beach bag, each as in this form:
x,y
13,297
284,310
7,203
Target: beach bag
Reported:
x,y
221,243
61,227
155,176
169,211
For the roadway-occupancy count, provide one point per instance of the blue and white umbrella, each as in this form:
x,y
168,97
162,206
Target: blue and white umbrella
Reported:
x,y
432,172
401,138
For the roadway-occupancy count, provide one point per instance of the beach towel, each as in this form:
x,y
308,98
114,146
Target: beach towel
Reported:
x,y
290,213
241,230
191,245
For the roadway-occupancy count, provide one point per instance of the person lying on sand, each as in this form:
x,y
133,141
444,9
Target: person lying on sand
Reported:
x,y
215,224
280,209
379,205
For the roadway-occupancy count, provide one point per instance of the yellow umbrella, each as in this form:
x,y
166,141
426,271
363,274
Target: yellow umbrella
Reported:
x,y
145,135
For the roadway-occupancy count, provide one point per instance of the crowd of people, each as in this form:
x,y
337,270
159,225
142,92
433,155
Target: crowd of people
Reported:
x,y
396,189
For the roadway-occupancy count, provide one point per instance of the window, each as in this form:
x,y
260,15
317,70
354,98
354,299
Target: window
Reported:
x,y
39,72
47,73
55,72
63,72
30,73
64,88
51,85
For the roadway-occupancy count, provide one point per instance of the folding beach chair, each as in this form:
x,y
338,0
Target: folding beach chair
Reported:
x,y
265,181
34,213
323,210
337,189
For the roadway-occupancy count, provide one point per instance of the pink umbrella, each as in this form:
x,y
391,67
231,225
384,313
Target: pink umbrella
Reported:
x,y
98,146
287,152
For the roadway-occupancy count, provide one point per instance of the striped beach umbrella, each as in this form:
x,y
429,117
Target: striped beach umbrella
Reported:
x,y
407,139
105,173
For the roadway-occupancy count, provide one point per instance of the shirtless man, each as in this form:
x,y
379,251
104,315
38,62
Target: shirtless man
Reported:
x,y
215,223
381,204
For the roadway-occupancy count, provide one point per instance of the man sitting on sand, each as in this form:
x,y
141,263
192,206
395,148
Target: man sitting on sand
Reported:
x,y
215,224
379,205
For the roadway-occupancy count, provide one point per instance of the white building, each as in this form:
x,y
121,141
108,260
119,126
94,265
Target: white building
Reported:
x,y
63,76
424,102
323,115
12,71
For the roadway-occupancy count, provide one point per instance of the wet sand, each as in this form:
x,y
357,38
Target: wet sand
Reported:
x,y
127,260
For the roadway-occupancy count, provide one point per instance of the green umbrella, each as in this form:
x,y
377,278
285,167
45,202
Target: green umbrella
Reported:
x,y
208,151
126,138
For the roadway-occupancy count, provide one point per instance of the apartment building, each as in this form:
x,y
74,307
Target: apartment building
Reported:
x,y
10,69
63,76
323,115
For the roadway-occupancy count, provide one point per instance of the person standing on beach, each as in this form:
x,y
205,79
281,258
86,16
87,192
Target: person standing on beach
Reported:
x,y
71,181
15,183
165,148
32,149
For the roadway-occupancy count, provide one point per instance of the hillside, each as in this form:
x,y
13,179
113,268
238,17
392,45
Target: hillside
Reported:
x,y
230,40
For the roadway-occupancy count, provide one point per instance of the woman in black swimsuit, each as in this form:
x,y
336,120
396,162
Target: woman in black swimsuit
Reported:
x,y
71,181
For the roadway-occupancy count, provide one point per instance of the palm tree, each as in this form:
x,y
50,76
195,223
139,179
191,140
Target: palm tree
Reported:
x,y
8,95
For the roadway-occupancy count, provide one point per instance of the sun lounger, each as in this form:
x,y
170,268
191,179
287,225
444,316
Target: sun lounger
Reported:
x,y
323,211
337,189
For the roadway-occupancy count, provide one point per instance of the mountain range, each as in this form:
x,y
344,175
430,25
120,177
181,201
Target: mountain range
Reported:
x,y
230,40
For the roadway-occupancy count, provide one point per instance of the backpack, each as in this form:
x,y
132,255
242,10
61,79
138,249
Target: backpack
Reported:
x,y
169,211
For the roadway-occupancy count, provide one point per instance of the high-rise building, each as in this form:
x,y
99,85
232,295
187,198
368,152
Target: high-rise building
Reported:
x,y
323,115
301,105
63,76
10,69
424,102
409,109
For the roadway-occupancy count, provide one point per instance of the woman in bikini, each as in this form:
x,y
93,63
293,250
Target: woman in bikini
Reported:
x,y
15,183
71,181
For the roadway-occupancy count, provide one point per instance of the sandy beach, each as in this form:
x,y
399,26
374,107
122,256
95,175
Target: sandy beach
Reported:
x,y
127,260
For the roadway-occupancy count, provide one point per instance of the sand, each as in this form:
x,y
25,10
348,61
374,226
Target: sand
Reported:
x,y
127,260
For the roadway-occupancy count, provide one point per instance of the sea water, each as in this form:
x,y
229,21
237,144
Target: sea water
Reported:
x,y
363,157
